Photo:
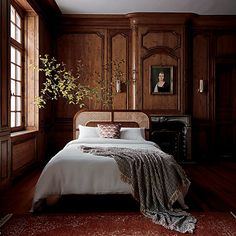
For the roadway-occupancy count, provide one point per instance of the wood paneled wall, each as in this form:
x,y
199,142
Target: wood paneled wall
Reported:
x,y
161,41
141,40
96,41
5,153
213,111
192,44
24,152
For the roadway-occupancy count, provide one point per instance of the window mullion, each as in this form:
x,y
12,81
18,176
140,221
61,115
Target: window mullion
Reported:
x,y
17,66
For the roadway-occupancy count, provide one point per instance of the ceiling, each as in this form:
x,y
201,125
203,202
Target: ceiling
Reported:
x,y
201,7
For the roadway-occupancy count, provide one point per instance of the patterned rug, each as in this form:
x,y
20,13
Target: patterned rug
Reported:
x,y
122,224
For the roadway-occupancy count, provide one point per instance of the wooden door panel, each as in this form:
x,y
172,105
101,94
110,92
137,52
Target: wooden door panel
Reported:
x,y
225,109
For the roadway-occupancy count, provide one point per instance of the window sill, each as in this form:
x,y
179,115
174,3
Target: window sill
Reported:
x,y
22,134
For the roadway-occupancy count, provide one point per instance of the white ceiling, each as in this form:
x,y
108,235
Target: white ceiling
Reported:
x,y
201,7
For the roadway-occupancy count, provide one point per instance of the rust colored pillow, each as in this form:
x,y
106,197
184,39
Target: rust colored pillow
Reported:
x,y
109,130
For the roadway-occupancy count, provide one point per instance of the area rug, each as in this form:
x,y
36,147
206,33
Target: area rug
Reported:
x,y
122,224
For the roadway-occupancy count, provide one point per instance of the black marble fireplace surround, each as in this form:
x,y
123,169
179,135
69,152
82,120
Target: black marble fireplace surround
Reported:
x,y
173,135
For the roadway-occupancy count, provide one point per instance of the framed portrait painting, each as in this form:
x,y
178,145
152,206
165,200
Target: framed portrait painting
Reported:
x,y
161,79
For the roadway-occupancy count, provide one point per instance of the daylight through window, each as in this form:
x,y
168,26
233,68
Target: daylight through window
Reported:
x,y
16,71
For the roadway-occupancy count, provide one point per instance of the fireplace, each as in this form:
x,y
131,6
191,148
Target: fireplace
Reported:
x,y
173,135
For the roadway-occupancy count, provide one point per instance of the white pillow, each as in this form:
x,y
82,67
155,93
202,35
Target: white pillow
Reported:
x,y
132,133
88,132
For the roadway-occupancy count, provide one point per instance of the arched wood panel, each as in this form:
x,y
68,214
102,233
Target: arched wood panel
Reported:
x,y
161,101
161,47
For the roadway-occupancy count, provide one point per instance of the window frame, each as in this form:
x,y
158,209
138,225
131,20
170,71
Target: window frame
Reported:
x,y
20,47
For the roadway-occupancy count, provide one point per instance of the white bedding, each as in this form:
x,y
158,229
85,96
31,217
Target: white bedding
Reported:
x,y
71,171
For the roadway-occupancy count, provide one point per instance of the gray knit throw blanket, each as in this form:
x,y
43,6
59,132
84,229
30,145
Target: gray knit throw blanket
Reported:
x,y
156,180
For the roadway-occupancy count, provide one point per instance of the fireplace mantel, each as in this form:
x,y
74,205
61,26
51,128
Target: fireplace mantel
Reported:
x,y
173,134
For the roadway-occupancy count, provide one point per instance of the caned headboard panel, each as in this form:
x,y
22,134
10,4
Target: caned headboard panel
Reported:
x,y
125,118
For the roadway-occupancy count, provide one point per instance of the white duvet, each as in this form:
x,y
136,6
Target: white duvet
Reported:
x,y
71,171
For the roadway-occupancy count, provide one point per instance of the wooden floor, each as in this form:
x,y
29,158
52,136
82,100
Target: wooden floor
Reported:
x,y
213,188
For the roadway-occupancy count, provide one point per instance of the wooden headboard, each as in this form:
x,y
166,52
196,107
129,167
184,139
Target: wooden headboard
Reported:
x,y
125,118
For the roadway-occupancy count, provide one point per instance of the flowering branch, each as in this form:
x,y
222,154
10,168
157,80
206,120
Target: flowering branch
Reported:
x,y
61,83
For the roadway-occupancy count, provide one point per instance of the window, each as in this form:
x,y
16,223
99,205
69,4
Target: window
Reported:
x,y
24,53
17,69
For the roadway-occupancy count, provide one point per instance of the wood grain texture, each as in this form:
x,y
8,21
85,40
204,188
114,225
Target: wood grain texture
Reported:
x,y
212,189
213,110
87,46
191,43
5,150
23,154
4,71
120,48
159,102
201,70
5,161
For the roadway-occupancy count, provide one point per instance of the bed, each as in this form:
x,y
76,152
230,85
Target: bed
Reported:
x,y
82,166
